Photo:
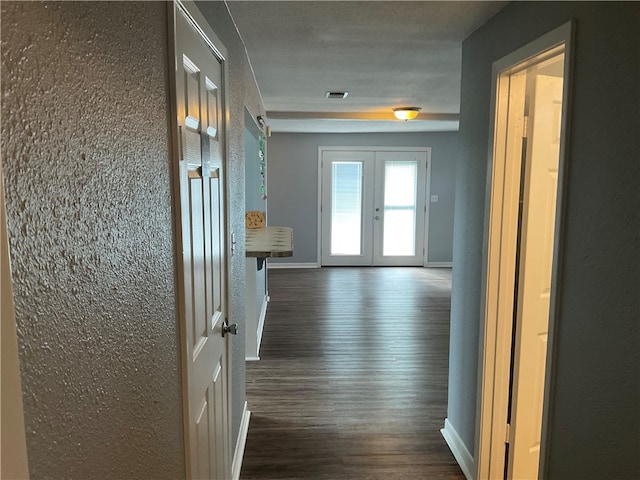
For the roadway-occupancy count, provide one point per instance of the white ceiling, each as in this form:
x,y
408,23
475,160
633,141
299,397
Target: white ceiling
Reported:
x,y
386,54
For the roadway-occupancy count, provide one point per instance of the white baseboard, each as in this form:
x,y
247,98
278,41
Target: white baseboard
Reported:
x,y
439,265
251,359
292,265
238,455
263,315
459,450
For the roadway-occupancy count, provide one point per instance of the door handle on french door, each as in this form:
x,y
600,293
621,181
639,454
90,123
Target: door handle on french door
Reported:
x,y
232,329
377,217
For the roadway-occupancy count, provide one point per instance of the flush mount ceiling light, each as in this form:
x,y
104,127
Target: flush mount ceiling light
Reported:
x,y
406,113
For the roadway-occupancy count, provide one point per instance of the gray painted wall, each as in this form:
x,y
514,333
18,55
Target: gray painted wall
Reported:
x,y
88,193
243,93
595,403
293,185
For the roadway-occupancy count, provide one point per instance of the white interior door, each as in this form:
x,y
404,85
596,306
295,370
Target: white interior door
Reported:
x,y
544,99
373,207
199,83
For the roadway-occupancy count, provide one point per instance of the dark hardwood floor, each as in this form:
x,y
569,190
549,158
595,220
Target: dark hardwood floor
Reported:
x,y
352,381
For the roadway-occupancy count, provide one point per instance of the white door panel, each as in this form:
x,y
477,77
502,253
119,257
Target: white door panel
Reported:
x,y
534,284
203,260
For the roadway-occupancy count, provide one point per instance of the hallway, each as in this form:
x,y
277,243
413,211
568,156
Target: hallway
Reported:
x,y
352,381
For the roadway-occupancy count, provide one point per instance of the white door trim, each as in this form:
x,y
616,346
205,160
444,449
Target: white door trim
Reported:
x,y
324,148
13,445
495,335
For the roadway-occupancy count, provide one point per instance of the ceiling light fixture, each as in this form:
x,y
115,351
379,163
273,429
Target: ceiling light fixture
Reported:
x,y
406,113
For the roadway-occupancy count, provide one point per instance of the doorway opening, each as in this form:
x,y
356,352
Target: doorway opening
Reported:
x,y
521,261
256,288
373,208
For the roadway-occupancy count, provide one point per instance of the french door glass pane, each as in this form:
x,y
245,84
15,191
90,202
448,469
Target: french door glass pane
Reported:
x,y
346,208
400,192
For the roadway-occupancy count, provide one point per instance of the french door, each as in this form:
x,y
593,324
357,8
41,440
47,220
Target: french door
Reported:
x,y
373,207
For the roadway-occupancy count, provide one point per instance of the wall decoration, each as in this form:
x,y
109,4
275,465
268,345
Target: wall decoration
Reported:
x,y
262,142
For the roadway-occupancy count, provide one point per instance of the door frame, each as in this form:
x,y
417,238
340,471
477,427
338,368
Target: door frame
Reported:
x,y
496,323
202,27
13,445
254,313
324,148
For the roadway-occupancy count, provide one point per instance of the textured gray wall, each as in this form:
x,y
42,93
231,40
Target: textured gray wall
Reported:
x,y
293,185
595,403
86,168
243,92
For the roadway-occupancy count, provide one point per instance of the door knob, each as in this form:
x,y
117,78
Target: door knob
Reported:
x,y
377,217
232,329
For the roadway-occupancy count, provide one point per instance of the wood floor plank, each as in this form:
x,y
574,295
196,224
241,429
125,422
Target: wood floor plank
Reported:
x,y
352,381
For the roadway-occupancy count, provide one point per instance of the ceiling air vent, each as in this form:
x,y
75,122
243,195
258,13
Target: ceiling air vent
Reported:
x,y
336,94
